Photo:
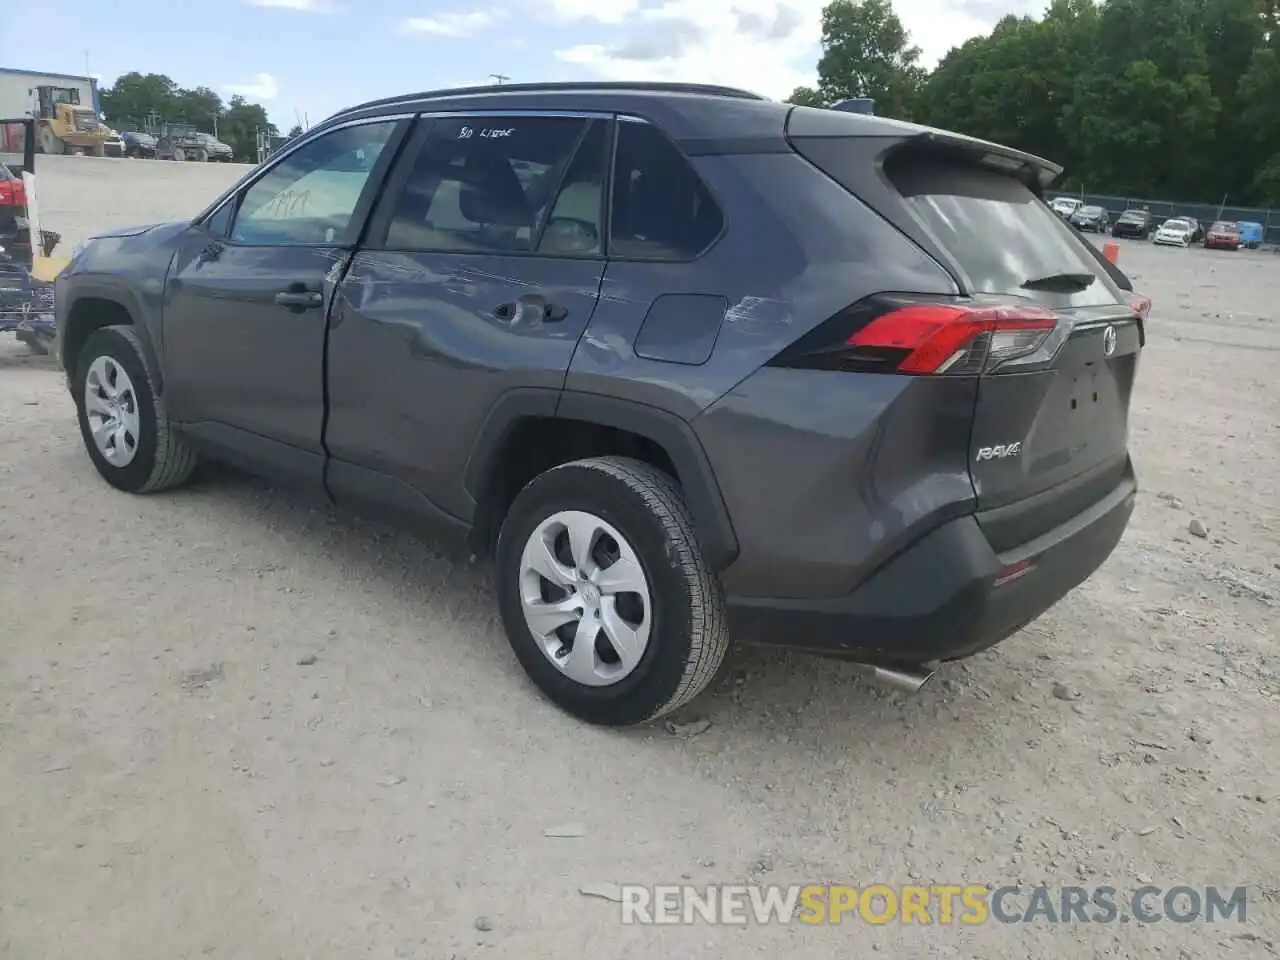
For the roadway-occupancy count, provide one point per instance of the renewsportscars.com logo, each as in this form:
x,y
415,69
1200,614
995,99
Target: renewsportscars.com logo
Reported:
x,y
945,904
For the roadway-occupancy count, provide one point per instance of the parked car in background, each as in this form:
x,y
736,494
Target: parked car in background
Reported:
x,y
1175,232
1222,235
218,151
1197,229
1250,234
1091,218
1132,223
138,144
1065,206
649,472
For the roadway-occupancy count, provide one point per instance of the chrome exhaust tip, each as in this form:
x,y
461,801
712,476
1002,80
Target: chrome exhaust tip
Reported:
x,y
908,681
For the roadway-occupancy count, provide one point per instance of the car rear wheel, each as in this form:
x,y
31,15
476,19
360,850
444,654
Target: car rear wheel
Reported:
x,y
123,422
606,599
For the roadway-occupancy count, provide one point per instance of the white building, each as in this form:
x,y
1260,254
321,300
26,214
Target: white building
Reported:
x,y
18,90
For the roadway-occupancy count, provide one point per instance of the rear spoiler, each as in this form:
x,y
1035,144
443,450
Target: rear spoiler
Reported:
x,y
817,123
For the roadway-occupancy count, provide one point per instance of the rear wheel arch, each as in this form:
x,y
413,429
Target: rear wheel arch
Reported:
x,y
530,431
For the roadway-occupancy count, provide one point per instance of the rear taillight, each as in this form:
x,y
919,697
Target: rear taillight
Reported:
x,y
926,338
1141,305
12,193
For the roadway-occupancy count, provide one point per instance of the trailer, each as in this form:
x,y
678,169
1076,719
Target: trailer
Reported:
x,y
27,268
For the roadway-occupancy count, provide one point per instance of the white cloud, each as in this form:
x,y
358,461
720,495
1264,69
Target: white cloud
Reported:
x,y
308,6
451,24
602,11
263,87
766,46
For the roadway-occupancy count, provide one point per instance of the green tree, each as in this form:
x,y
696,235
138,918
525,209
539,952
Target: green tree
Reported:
x,y
200,106
867,52
294,131
136,96
801,97
240,125
1258,98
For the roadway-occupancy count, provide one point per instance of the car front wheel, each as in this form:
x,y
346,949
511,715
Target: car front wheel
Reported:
x,y
123,422
604,593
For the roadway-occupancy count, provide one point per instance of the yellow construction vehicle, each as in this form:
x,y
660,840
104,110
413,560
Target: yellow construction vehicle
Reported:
x,y
64,125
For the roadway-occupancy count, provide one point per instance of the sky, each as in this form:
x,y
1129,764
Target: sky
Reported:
x,y
305,59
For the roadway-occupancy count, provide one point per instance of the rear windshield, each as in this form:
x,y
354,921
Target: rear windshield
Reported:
x,y
998,232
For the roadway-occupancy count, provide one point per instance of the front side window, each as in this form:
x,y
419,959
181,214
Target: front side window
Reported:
x,y
309,197
661,208
517,184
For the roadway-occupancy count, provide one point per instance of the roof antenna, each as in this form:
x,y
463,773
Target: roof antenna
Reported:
x,y
865,105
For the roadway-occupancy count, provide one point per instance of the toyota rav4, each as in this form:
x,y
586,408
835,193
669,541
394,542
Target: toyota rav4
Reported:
x,y
686,363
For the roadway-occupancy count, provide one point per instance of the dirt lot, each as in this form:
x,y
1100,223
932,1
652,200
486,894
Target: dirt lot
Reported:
x,y
179,779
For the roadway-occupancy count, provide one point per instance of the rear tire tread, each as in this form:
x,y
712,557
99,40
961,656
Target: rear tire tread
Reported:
x,y
709,630
707,623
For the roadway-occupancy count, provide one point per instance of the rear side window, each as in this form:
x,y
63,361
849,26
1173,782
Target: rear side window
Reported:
x,y
661,209
999,233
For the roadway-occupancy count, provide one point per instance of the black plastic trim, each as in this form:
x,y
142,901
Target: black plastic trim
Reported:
x,y
672,434
256,453
82,288
693,468
381,495
939,599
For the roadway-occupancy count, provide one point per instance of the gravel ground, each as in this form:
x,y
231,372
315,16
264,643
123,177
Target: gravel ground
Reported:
x,y
236,724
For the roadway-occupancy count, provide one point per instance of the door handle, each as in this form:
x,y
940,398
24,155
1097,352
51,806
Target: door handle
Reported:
x,y
299,299
530,308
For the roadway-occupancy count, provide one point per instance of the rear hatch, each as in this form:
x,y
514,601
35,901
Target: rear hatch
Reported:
x,y
1059,340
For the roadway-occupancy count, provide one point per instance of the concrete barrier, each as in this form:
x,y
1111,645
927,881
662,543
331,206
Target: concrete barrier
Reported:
x,y
81,195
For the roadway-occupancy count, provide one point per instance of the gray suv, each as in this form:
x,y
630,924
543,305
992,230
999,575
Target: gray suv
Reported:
x,y
686,363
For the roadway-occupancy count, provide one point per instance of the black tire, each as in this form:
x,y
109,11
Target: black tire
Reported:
x,y
689,631
163,459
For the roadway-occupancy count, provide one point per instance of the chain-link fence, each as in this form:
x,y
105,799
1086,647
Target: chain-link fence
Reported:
x,y
1206,213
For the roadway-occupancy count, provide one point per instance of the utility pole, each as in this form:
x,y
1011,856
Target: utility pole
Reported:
x,y
500,77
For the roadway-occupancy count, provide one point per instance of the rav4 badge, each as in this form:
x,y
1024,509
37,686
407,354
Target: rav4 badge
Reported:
x,y
1000,452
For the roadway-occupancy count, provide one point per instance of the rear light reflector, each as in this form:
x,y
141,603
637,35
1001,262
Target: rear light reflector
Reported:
x,y
1013,571
12,193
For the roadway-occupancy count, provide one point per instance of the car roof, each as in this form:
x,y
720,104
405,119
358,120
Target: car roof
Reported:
x,y
688,112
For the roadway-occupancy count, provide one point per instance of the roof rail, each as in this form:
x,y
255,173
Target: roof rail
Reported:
x,y
708,90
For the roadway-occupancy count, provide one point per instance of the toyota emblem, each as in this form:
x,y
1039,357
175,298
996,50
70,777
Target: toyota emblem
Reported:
x,y
1109,339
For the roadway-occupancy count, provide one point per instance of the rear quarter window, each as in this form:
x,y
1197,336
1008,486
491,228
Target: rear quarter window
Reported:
x,y
997,231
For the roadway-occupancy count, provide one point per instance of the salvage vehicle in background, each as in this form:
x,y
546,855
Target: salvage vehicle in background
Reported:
x,y
1175,232
217,150
1132,223
1222,235
430,336
181,141
1090,219
138,144
1065,206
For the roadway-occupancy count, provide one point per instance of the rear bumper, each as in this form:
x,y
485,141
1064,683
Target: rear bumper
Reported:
x,y
941,598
